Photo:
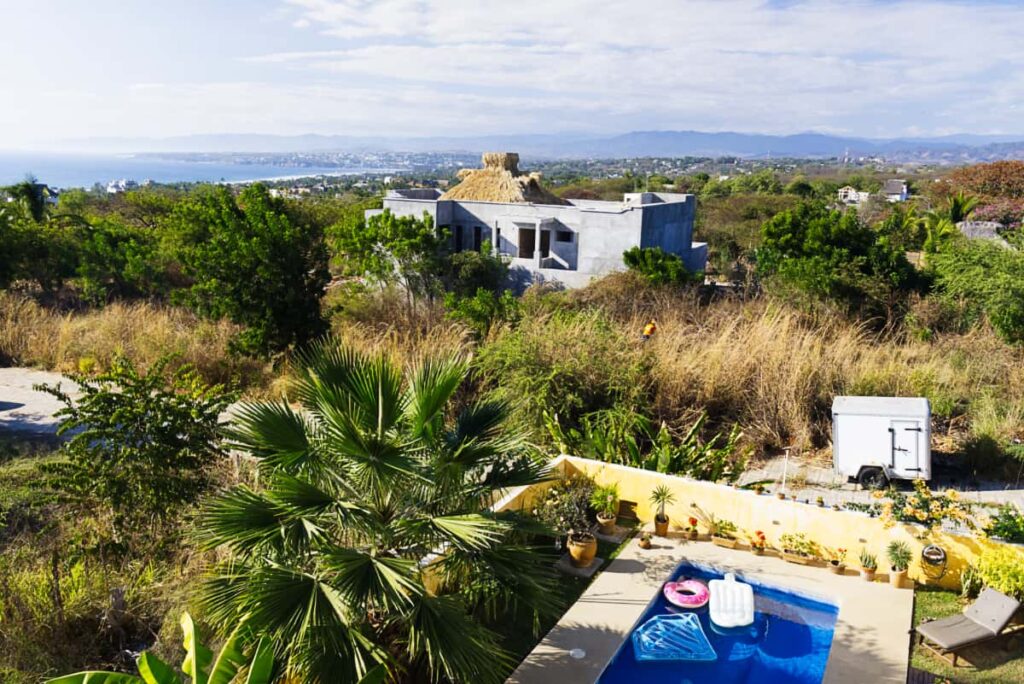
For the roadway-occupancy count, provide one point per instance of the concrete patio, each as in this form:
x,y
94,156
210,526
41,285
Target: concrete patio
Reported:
x,y
871,642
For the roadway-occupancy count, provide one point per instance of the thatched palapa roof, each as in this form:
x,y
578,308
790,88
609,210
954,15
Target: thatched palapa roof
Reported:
x,y
500,181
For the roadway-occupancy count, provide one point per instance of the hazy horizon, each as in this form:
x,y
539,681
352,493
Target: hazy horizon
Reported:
x,y
424,68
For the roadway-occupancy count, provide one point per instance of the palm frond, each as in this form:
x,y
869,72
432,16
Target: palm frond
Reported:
x,y
274,434
453,645
431,387
243,520
373,580
469,531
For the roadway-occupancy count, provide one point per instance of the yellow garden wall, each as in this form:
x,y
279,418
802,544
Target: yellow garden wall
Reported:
x,y
750,512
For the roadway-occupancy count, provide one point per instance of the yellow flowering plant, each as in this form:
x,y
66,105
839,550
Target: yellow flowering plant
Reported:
x,y
924,507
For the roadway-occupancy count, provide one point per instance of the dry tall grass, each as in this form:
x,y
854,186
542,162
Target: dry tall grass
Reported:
x,y
32,335
774,370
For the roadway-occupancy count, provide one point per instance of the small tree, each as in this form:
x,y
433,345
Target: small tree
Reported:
x,y
832,255
141,445
249,262
656,265
389,248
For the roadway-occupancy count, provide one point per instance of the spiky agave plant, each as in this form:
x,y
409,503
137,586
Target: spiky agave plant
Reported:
x,y
371,539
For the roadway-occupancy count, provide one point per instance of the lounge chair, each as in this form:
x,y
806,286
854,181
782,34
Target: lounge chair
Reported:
x,y
982,621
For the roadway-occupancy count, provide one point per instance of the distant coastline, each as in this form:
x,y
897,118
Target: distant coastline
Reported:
x,y
85,170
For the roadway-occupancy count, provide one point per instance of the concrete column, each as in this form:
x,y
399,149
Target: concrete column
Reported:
x,y
536,244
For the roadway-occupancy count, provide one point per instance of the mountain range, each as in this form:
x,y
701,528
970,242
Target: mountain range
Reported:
x,y
569,145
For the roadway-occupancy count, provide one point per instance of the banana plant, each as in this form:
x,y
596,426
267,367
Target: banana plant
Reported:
x,y
258,668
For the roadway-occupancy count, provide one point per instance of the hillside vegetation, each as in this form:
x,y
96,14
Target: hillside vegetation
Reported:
x,y
166,304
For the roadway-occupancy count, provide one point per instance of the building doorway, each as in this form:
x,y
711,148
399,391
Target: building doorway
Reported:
x,y
527,243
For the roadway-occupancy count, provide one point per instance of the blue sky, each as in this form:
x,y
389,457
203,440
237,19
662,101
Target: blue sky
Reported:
x,y
153,68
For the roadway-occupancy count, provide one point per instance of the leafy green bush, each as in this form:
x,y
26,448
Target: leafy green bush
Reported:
x,y
658,266
483,310
833,255
630,438
988,280
1002,569
1007,524
141,446
247,261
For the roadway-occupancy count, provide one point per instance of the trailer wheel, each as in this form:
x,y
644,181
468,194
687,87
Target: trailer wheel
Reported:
x,y
872,478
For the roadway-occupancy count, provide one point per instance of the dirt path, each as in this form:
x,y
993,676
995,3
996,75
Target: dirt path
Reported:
x,y
26,410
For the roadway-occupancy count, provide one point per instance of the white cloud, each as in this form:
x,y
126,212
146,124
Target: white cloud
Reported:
x,y
443,67
870,68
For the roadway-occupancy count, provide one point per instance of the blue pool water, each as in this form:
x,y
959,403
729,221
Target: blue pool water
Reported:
x,y
787,644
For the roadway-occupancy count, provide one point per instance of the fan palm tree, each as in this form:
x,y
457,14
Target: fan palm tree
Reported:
x,y
372,540
960,206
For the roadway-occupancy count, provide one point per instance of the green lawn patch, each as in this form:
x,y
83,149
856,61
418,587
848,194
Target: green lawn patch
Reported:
x,y
991,663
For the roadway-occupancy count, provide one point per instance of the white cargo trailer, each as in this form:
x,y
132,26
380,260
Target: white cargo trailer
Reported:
x,y
877,439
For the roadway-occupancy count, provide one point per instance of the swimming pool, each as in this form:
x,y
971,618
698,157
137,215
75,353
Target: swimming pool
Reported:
x,y
788,643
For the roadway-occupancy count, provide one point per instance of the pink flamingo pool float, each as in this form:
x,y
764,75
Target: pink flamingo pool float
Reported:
x,y
689,593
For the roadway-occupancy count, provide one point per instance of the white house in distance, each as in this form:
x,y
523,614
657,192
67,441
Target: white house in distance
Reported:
x,y
547,238
851,195
895,190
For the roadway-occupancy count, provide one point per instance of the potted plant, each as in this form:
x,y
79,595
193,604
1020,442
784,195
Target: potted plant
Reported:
x,y
645,540
759,489
780,495
605,500
899,560
836,563
692,530
564,509
820,501
868,565
662,496
797,548
758,543
723,533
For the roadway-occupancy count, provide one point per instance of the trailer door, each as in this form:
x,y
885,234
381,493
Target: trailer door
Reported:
x,y
906,438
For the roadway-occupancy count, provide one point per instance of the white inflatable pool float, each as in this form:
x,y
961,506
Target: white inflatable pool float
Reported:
x,y
732,602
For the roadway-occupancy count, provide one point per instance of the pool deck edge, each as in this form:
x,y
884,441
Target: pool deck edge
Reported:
x,y
872,633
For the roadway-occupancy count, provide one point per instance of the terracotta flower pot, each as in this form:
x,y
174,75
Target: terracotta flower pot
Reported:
x,y
661,526
867,574
757,550
837,568
897,577
645,542
780,496
606,524
582,550
693,534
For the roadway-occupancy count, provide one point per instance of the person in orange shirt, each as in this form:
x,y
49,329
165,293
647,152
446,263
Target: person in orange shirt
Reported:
x,y
649,330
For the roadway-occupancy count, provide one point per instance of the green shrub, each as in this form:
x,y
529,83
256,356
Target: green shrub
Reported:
x,y
1002,569
658,266
1007,524
833,255
483,310
988,279
141,445
246,260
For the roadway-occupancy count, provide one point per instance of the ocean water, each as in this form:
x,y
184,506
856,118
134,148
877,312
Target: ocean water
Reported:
x,y
83,170
788,643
